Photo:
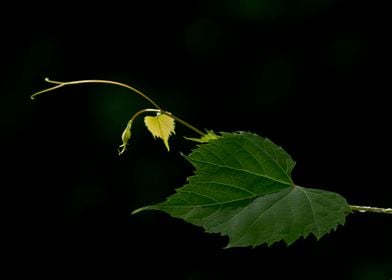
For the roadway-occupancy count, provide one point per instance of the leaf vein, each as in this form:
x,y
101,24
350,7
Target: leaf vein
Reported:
x,y
263,213
230,186
313,212
199,194
262,149
242,170
207,205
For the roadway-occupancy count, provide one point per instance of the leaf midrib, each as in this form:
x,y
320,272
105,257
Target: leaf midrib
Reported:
x,y
313,211
267,154
219,203
265,211
243,170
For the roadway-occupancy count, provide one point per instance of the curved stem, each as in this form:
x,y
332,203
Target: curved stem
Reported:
x,y
141,112
61,84
158,109
363,209
126,135
181,121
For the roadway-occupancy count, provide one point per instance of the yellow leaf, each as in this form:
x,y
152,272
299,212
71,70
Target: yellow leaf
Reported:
x,y
161,126
210,136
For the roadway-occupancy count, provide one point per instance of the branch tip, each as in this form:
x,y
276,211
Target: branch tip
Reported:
x,y
363,209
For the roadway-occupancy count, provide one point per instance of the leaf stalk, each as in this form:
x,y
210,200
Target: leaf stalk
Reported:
x,y
184,123
363,209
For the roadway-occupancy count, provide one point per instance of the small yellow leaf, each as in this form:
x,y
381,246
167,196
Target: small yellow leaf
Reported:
x,y
210,136
161,126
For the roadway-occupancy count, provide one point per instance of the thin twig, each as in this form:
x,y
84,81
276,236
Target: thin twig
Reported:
x,y
363,209
61,84
181,121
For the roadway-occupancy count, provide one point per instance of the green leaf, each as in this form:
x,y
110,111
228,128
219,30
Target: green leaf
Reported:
x,y
242,188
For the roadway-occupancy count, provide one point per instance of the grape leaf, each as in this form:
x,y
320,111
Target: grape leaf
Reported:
x,y
161,126
242,188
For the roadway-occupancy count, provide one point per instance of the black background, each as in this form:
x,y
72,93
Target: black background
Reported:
x,y
313,76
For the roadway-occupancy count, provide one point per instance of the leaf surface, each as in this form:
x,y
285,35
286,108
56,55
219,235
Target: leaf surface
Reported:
x,y
242,188
160,126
